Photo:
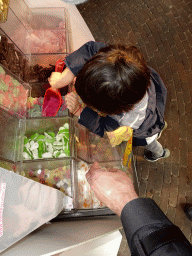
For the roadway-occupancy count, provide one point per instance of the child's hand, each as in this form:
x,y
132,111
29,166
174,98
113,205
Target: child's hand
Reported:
x,y
55,80
58,80
72,103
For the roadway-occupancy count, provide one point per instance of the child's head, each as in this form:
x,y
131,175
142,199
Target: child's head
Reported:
x,y
114,79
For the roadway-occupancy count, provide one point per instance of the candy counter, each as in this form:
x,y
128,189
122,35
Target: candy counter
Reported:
x,y
51,153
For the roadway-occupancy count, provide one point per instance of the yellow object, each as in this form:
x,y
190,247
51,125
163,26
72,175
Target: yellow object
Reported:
x,y
4,5
123,133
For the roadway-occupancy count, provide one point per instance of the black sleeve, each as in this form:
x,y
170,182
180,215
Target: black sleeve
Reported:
x,y
95,123
76,60
149,231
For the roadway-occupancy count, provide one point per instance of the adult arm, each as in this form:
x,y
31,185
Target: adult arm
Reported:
x,y
148,230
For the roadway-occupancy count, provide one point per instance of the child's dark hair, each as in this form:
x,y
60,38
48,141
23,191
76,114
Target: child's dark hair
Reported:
x,y
114,79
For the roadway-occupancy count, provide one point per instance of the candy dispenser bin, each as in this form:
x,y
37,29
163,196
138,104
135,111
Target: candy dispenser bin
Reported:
x,y
91,147
13,59
13,93
42,65
49,31
51,137
57,173
16,27
86,203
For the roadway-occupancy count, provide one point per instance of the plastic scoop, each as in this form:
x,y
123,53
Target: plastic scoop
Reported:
x,y
52,98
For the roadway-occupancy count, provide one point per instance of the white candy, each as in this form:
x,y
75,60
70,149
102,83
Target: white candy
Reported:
x,y
49,147
34,146
47,135
69,191
35,154
57,143
66,126
39,171
47,155
27,146
31,143
59,137
26,156
62,155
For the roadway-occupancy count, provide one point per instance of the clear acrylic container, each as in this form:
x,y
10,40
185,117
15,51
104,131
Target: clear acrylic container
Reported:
x,y
10,165
13,93
42,63
11,136
12,58
85,196
37,30
17,30
49,32
44,125
58,174
91,147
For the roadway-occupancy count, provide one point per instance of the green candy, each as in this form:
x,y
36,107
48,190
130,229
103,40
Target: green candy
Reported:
x,y
52,134
28,152
40,137
67,152
3,86
63,131
50,140
26,140
34,136
41,148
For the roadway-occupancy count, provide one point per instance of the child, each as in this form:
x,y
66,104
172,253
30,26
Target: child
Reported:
x,y
118,89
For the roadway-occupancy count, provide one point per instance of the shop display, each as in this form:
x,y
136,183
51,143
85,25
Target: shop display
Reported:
x,y
49,150
13,95
47,145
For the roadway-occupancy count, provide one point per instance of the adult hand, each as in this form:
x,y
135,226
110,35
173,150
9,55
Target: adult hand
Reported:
x,y
58,80
114,188
72,103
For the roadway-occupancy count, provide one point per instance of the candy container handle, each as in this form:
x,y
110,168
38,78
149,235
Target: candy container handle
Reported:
x,y
59,66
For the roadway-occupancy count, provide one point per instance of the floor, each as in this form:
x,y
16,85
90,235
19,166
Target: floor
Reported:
x,y
163,31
